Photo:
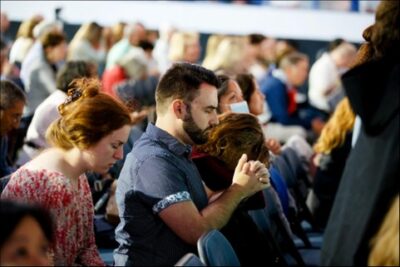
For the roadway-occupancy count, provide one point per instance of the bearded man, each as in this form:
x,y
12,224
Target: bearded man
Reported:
x,y
163,205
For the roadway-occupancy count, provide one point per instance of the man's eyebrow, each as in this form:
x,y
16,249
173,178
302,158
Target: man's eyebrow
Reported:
x,y
211,107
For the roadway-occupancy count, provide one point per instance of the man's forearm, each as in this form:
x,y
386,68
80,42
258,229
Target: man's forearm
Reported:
x,y
218,213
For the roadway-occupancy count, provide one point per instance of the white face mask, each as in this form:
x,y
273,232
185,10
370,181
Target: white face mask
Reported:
x,y
240,107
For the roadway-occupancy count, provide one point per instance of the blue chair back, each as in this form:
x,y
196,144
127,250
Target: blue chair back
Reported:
x,y
215,250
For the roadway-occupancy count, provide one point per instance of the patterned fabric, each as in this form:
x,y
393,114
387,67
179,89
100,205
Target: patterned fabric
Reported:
x,y
171,199
71,209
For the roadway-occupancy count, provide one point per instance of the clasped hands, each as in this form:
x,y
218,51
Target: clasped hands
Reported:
x,y
251,175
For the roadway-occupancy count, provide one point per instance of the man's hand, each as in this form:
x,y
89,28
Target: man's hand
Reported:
x,y
251,176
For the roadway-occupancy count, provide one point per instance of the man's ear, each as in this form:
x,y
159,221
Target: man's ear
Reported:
x,y
179,108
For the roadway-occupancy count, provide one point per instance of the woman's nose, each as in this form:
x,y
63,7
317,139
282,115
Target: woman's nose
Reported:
x,y
119,154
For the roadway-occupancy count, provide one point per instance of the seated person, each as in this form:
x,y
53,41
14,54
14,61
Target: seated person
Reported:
x,y
229,93
258,107
40,81
216,160
56,179
290,135
230,99
163,204
47,111
12,102
130,67
280,91
324,85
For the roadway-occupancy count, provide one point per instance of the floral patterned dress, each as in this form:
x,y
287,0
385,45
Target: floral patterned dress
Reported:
x,y
72,212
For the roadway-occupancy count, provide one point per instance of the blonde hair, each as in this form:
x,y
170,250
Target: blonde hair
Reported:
x,y
178,43
26,28
211,49
229,55
88,31
335,130
385,244
118,31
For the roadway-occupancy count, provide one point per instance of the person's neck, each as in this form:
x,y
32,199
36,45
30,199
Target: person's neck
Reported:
x,y
166,124
74,163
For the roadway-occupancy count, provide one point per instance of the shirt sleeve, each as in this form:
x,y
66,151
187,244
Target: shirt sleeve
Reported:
x,y
163,183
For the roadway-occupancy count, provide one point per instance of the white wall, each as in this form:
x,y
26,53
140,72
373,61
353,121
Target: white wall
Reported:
x,y
203,16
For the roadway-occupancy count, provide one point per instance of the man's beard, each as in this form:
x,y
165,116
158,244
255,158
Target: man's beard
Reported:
x,y
197,135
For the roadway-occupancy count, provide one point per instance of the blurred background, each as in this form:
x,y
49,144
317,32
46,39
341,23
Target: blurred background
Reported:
x,y
311,24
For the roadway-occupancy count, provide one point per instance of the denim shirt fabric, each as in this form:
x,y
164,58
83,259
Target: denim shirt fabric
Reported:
x,y
157,173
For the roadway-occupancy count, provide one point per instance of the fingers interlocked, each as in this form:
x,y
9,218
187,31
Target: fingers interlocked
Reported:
x,y
261,172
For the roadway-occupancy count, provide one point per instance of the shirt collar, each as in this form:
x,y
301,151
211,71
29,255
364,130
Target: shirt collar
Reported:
x,y
160,136
281,76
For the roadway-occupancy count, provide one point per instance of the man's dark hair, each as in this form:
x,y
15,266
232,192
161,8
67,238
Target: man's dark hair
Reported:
x,y
182,81
256,38
9,94
70,71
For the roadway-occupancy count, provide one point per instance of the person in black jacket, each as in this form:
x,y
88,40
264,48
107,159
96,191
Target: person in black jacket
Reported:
x,y
371,176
